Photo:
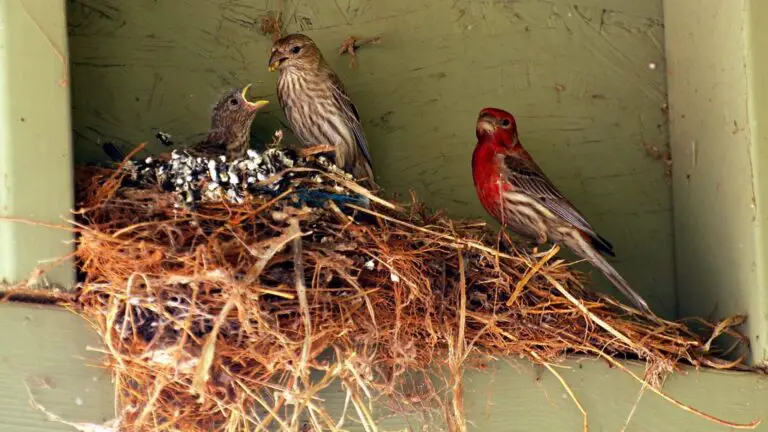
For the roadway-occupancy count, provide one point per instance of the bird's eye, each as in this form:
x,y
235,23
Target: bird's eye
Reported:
x,y
296,49
505,123
233,102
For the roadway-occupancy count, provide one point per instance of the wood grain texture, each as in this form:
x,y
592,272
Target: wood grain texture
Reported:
x,y
586,80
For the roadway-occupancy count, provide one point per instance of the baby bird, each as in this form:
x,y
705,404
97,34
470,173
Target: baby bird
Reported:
x,y
317,106
229,131
231,120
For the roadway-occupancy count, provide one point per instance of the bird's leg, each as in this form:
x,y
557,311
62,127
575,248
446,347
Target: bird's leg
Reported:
x,y
541,238
499,238
505,242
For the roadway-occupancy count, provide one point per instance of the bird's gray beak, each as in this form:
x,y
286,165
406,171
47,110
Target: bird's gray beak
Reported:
x,y
275,60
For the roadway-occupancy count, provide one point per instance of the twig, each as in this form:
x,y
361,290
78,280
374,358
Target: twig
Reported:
x,y
353,43
530,273
322,148
594,317
585,423
203,371
634,408
17,293
751,425
264,256
298,264
272,23
453,239
457,359
722,327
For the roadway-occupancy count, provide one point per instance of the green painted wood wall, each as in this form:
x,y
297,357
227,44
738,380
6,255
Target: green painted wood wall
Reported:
x,y
35,145
586,80
718,101
50,350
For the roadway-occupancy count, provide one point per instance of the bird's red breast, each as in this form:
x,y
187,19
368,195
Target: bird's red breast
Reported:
x,y
500,165
489,179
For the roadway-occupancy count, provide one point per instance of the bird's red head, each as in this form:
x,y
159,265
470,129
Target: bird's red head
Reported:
x,y
497,125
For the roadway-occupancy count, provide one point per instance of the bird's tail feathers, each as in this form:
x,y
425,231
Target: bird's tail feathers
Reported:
x,y
113,152
362,169
602,244
597,260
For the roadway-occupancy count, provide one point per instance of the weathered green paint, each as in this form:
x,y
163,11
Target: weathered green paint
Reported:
x,y
44,349
47,351
577,77
758,105
718,101
757,64
585,78
35,144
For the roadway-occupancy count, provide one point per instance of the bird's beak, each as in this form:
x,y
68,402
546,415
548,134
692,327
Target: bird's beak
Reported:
x,y
275,60
485,125
252,105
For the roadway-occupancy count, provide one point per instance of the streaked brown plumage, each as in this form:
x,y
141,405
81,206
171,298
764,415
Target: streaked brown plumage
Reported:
x,y
317,106
229,131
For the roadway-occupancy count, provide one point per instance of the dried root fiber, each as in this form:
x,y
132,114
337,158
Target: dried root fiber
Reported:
x,y
215,313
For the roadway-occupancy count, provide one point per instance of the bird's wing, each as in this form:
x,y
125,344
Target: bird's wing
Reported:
x,y
351,112
526,176
214,139
113,152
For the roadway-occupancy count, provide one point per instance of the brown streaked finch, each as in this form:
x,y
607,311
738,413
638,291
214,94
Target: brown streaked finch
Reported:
x,y
230,128
514,190
316,105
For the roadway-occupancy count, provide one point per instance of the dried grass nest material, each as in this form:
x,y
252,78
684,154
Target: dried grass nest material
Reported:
x,y
214,316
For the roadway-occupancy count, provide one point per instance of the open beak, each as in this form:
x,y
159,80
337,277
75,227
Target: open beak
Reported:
x,y
275,60
252,105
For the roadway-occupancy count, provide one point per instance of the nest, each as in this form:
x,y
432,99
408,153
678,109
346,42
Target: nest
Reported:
x,y
215,313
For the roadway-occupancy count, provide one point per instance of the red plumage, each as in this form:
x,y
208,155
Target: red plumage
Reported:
x,y
515,191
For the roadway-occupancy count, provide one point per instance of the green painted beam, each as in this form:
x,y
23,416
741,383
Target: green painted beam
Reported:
x,y
47,351
35,138
509,400
757,73
44,349
718,105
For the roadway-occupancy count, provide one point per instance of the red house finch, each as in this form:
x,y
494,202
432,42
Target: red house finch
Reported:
x,y
316,104
515,191
229,132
